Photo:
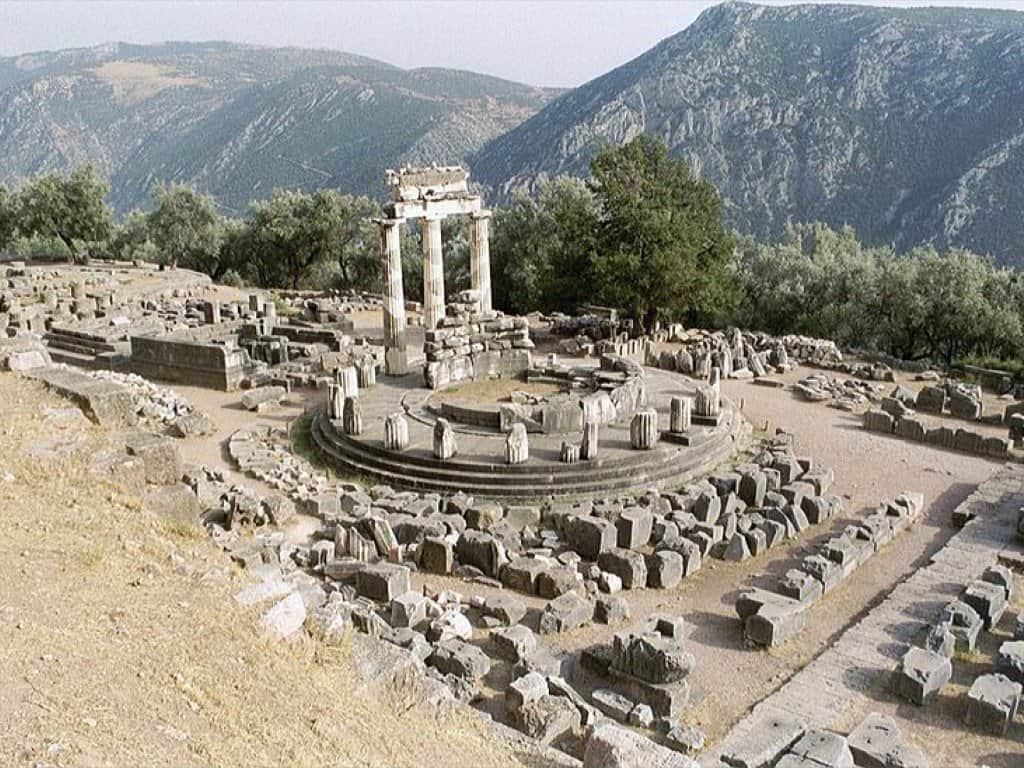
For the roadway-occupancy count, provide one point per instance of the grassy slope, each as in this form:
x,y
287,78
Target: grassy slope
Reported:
x,y
122,645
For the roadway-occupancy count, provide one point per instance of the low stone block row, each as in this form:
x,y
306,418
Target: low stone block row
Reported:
x,y
772,617
914,427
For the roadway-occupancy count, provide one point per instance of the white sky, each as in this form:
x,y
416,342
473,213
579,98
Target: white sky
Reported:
x,y
543,42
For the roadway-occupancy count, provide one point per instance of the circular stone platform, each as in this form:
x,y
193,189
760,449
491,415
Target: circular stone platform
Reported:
x,y
479,469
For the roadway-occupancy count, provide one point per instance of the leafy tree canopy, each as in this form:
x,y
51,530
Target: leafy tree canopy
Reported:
x,y
71,209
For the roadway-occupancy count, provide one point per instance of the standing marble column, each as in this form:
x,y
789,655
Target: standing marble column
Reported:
x,y
396,359
433,271
480,257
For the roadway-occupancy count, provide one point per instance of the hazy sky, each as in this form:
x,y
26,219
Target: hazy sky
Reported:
x,y
551,42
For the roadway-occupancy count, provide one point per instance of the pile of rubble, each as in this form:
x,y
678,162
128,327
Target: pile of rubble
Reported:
x,y
159,406
845,394
469,344
770,618
994,697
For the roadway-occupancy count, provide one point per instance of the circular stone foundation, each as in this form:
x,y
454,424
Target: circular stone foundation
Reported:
x,y
479,470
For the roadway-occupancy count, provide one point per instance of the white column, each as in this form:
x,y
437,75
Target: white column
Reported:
x,y
480,257
433,271
396,361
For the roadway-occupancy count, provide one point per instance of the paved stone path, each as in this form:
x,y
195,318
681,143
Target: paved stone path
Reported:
x,y
825,688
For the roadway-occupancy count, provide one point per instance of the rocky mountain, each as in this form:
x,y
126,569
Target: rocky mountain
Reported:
x,y
237,120
906,124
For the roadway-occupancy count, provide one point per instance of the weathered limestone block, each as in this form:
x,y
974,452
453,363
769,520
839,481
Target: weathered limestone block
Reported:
x,y
160,454
444,440
611,610
680,414
878,421
522,573
548,718
174,502
556,581
643,430
877,743
590,536
627,565
408,610
613,704
989,600
352,417
651,657
931,399
992,703
481,550
634,528
664,569
763,744
612,746
1002,577
922,674
515,643
396,432
382,582
964,623
524,690
564,613
517,446
775,623
588,448
437,556
263,397
1010,660
801,586
504,608
459,658
818,748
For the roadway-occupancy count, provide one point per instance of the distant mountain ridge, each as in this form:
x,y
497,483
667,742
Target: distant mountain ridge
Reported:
x,y
906,123
238,120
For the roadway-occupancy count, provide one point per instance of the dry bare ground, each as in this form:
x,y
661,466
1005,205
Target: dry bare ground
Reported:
x,y
121,644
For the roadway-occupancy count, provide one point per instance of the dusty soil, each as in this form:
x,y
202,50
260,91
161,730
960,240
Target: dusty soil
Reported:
x,y
122,644
492,391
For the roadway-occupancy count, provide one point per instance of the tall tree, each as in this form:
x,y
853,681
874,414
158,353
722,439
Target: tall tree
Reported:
x,y
131,238
662,246
71,209
543,248
186,229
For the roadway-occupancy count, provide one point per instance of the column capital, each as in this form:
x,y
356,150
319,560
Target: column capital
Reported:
x,y
483,213
388,222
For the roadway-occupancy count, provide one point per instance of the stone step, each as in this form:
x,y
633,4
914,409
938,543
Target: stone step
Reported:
x,y
528,481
